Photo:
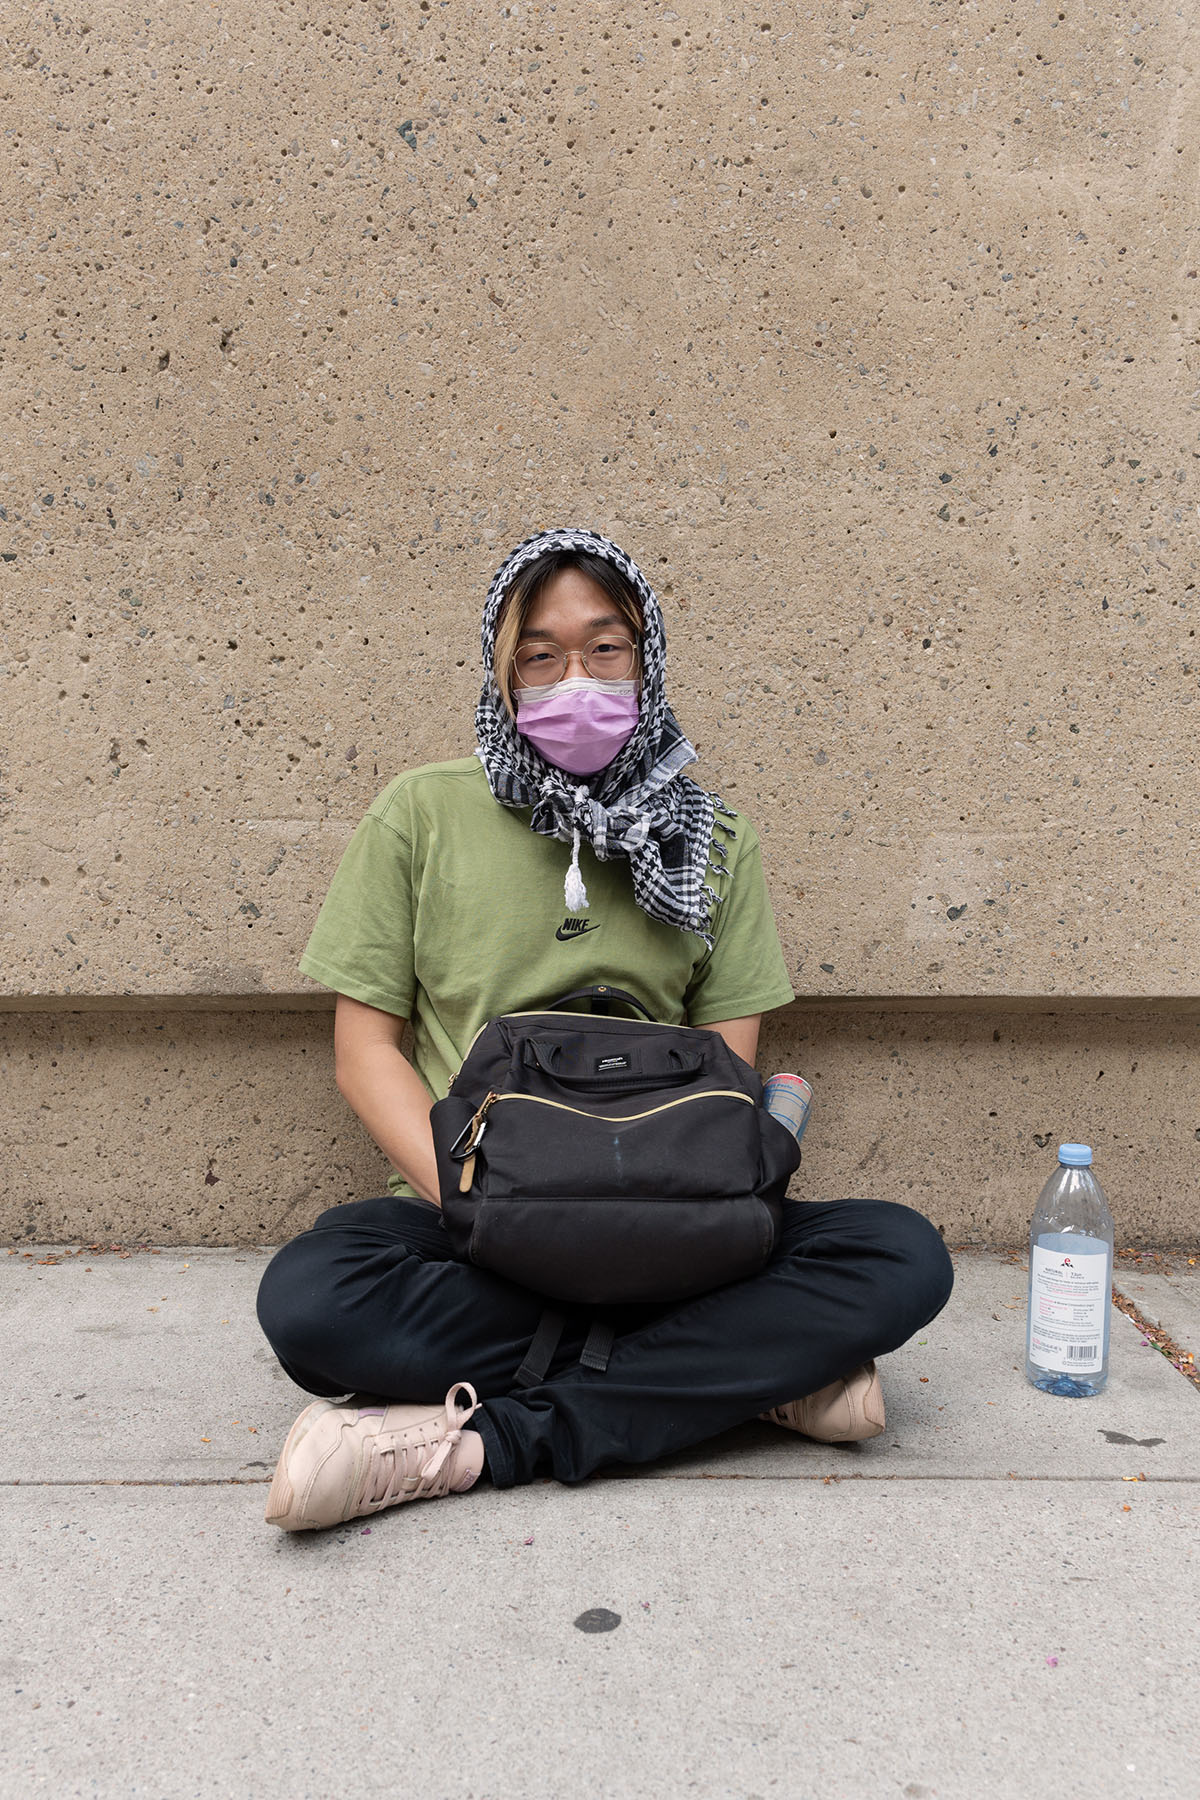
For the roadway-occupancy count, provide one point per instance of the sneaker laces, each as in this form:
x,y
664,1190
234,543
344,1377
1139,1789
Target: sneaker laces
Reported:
x,y
399,1468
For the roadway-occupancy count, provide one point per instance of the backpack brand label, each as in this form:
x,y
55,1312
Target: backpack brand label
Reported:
x,y
605,1065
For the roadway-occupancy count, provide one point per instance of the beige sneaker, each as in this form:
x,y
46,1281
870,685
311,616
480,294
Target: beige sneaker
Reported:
x,y
342,1461
845,1412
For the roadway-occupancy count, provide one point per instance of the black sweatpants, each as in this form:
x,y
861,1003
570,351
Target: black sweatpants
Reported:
x,y
370,1301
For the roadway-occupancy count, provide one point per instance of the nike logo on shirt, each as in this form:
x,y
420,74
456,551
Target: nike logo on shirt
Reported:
x,y
573,928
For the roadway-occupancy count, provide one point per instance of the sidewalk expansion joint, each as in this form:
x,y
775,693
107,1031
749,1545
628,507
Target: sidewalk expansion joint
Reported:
x,y
1176,1355
161,1481
218,1481
947,1475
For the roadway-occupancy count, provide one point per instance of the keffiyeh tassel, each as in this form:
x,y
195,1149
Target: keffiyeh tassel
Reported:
x,y
574,891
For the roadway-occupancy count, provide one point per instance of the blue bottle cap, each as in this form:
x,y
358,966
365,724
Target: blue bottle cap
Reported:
x,y
1075,1156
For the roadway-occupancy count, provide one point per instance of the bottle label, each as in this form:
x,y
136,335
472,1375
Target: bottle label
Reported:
x,y
1068,1305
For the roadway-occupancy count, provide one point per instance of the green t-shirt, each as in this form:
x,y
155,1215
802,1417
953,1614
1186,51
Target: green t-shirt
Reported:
x,y
447,910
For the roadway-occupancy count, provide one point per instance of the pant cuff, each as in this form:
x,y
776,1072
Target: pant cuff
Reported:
x,y
499,1463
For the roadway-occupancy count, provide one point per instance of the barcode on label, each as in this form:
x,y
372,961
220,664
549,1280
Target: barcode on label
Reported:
x,y
1081,1352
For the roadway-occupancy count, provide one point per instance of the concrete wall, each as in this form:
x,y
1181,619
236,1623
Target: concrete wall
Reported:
x,y
159,1125
873,334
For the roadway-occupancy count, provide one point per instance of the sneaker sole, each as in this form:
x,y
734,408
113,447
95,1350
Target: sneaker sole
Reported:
x,y
280,1497
861,1429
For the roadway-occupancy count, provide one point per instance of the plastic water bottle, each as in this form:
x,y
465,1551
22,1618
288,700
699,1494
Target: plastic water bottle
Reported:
x,y
1070,1280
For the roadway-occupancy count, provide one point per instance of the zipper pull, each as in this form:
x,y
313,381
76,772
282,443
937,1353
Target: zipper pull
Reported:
x,y
476,1130
468,1139
479,1122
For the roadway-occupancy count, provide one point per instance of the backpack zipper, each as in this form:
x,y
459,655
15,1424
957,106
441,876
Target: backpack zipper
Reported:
x,y
621,1118
478,1125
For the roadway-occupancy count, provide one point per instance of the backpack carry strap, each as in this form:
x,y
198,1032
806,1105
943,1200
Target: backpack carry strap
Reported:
x,y
603,996
598,1346
542,1346
545,1341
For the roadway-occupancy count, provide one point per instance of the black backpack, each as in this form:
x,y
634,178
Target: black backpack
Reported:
x,y
602,1160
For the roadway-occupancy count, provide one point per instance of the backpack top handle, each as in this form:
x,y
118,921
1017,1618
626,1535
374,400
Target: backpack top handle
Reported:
x,y
603,996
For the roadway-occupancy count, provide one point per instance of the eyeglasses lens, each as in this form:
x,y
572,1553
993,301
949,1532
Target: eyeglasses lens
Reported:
x,y
605,659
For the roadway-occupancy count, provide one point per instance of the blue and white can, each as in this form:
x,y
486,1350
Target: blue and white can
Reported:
x,y
788,1099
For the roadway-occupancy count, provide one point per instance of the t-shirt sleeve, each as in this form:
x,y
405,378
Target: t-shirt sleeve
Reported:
x,y
362,942
744,972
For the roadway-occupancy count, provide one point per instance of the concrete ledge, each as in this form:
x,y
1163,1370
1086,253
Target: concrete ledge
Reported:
x,y
198,1124
310,998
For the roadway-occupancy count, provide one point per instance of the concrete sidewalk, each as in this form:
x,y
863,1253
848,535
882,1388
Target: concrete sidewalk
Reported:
x,y
997,1597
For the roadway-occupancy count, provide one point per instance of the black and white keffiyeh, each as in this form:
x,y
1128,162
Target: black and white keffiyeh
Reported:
x,y
641,806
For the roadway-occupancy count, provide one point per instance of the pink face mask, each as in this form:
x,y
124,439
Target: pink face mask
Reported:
x,y
579,725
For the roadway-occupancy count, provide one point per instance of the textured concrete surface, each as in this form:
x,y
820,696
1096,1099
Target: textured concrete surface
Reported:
x,y
835,1643
1172,1302
152,1367
939,1630
225,1127
872,332
193,1127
